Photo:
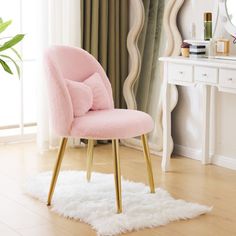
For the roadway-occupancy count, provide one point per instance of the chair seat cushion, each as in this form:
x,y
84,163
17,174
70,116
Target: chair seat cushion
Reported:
x,y
112,124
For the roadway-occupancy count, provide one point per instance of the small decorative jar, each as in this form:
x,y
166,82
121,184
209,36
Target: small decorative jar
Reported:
x,y
185,49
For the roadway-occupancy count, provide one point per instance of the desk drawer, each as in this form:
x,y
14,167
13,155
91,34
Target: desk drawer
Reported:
x,y
177,72
227,78
206,74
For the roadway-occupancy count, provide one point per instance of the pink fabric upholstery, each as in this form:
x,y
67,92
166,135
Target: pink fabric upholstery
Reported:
x,y
101,99
61,110
63,62
112,124
74,64
91,94
77,64
81,97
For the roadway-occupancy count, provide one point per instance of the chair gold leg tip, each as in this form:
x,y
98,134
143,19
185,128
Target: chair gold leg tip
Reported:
x,y
48,204
88,178
119,211
152,189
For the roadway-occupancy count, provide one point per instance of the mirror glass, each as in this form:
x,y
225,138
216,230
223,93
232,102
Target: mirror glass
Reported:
x,y
231,9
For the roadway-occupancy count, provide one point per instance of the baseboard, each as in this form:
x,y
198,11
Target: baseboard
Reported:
x,y
227,162
136,144
187,152
219,160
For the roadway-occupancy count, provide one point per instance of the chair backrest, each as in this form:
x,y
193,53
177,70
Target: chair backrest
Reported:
x,y
64,62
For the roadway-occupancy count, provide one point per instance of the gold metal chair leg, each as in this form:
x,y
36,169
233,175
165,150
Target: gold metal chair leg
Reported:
x,y
60,155
148,162
117,176
89,158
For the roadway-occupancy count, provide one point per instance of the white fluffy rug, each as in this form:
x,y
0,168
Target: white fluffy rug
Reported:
x,y
94,202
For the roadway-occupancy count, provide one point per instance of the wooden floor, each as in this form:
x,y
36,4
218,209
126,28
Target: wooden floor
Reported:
x,y
187,179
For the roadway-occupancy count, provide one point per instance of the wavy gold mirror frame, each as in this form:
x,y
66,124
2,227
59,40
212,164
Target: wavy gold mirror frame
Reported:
x,y
174,40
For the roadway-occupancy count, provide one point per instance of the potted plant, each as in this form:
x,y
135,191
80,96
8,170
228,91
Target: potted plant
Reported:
x,y
6,45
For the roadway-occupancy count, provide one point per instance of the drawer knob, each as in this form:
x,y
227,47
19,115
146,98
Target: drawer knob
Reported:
x,y
230,79
181,72
204,75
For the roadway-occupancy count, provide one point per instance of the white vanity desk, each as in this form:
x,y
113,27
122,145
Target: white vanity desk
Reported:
x,y
211,74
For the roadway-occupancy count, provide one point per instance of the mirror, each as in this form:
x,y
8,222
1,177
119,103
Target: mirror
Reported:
x,y
226,23
231,10
226,17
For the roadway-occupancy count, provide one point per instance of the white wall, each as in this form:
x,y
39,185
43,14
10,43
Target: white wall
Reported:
x,y
187,116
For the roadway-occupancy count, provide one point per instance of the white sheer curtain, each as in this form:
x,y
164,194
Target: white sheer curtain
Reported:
x,y
58,23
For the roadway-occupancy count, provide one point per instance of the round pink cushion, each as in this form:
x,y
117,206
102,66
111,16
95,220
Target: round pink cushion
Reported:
x,y
112,124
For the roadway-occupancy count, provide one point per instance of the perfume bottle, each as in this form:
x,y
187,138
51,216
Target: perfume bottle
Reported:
x,y
207,25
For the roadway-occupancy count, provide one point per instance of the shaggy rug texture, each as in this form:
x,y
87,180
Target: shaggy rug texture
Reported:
x,y
94,202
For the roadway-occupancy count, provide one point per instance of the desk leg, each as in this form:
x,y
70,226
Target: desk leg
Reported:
x,y
206,124
212,124
167,140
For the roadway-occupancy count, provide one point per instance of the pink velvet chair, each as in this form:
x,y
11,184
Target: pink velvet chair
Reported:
x,y
81,106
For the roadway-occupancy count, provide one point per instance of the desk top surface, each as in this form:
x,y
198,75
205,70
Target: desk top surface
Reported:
x,y
201,61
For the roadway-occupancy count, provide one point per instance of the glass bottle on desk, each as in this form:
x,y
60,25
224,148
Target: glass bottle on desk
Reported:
x,y
207,25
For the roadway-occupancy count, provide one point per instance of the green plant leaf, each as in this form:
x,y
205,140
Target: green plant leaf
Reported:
x,y
5,66
1,21
17,53
12,42
17,67
4,25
